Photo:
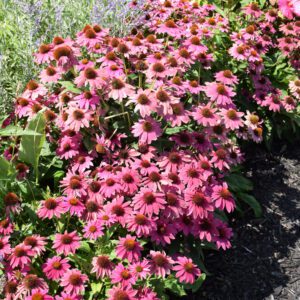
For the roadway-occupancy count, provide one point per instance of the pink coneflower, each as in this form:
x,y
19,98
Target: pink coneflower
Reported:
x,y
160,263
110,186
129,180
157,70
273,102
50,208
67,296
164,101
39,294
73,205
55,267
88,37
36,242
44,54
50,75
66,243
4,246
289,103
10,289
147,202
140,224
206,229
190,175
223,197
12,203
64,56
122,275
29,283
102,266
173,161
144,101
287,8
198,204
226,77
92,77
119,89
34,90
84,63
252,120
92,210
119,209
67,147
239,51
146,151
87,100
206,115
78,118
253,10
93,191
129,248
147,130
23,107
220,159
179,116
223,235
219,92
74,185
93,230
122,293
20,256
155,181
139,269
110,59
170,28
232,118
175,203
73,282
183,138
164,233
6,227
186,270
82,162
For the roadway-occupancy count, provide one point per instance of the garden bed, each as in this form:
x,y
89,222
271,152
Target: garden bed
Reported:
x,y
264,262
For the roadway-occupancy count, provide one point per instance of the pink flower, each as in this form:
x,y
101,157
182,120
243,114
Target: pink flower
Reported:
x,y
147,130
122,275
44,54
29,283
73,281
4,246
117,293
140,269
119,89
198,204
92,77
67,296
50,208
87,100
39,294
55,267
164,232
232,118
186,270
20,256
223,198
148,202
287,7
129,180
140,224
102,266
160,263
36,242
66,243
219,92
144,102
93,230
78,118
73,205
129,248
222,236
226,77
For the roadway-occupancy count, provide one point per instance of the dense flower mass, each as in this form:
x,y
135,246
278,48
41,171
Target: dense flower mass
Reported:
x,y
140,133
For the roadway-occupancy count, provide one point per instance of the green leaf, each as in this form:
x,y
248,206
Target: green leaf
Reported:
x,y
174,286
31,146
237,183
17,131
6,169
252,202
197,284
69,86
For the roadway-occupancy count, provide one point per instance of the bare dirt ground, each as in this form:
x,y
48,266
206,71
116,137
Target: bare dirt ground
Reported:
x,y
264,262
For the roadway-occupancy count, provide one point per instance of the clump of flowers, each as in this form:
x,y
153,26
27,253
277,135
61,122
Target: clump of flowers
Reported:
x,y
139,134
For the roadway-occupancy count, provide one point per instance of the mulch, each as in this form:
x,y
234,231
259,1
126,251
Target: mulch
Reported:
x,y
264,261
